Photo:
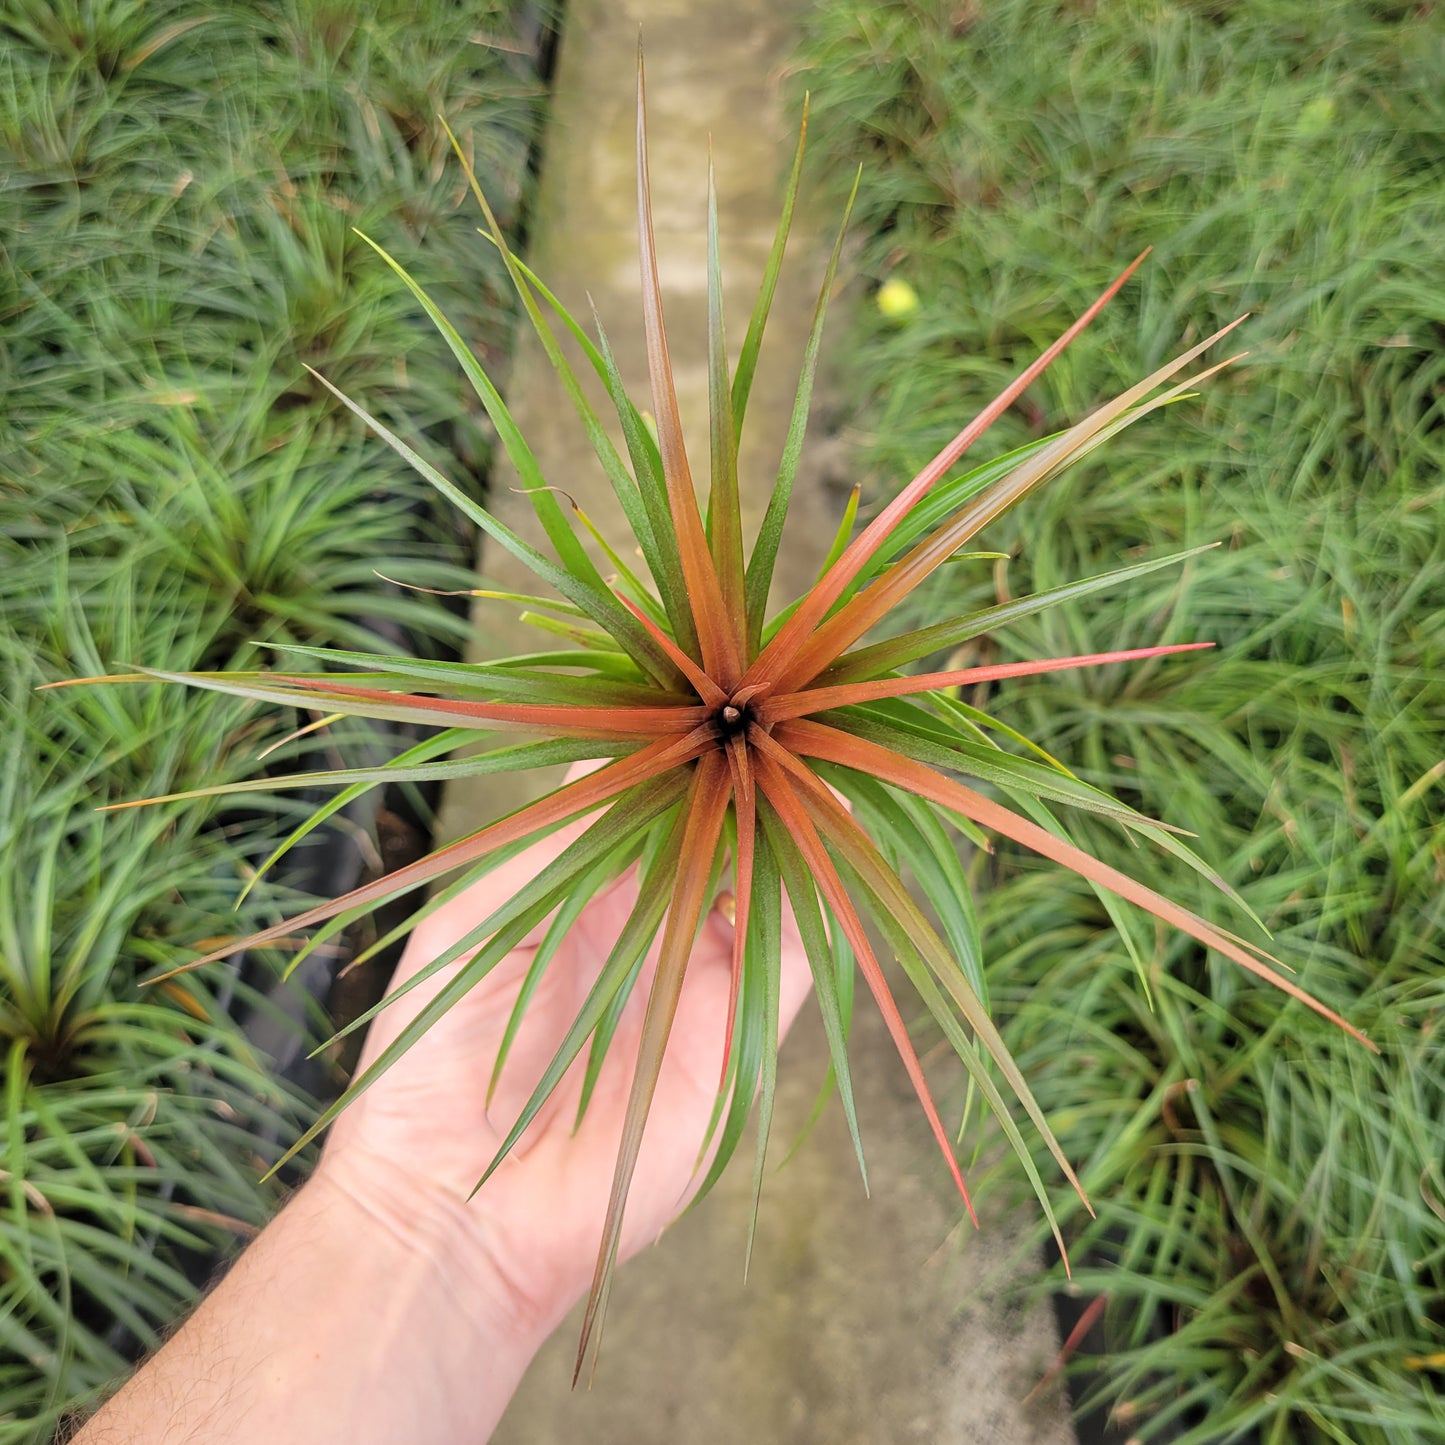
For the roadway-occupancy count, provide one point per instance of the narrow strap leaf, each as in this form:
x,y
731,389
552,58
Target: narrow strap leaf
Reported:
x,y
765,950
628,584
704,812
624,826
917,947
443,742
845,528
710,693
745,812
895,652
724,511
819,699
504,677
626,488
915,832
576,797
797,817
588,639
940,748
563,921
508,926
499,760
976,724
584,592
862,855
836,1011
932,510
1022,775
299,689
665,837
704,595
663,558
1112,905
647,462
816,604
863,611
811,739
757,322
770,533
620,969
570,551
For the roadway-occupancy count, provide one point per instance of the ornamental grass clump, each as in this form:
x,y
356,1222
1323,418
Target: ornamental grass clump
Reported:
x,y
783,757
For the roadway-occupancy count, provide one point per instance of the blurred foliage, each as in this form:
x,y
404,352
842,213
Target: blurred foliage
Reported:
x,y
1271,1230
178,189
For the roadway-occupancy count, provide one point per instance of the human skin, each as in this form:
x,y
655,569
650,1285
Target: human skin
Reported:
x,y
382,1304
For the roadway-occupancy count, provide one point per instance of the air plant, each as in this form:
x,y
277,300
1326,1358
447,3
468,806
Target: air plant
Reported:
x,y
786,754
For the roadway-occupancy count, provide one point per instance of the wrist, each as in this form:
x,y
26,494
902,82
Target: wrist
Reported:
x,y
448,1247
367,1312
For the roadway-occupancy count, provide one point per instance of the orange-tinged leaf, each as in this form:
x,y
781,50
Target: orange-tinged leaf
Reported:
x,y
597,721
880,658
853,843
819,699
862,612
796,816
707,689
745,811
815,606
705,812
192,1005
571,799
811,739
715,638
301,690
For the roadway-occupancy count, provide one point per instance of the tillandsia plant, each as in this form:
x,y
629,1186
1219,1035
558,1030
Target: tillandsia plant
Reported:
x,y
783,755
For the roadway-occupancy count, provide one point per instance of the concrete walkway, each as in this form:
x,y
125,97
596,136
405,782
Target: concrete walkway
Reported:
x,y
861,1322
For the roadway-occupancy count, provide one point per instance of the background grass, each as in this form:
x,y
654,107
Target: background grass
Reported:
x,y
178,189
1271,1231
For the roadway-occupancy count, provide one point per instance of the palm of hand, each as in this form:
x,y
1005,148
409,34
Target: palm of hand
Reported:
x,y
429,1120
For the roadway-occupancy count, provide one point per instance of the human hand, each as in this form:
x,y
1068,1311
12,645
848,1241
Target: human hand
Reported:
x,y
419,1139
382,1304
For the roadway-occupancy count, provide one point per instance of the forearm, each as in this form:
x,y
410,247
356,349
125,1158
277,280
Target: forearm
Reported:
x,y
355,1317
